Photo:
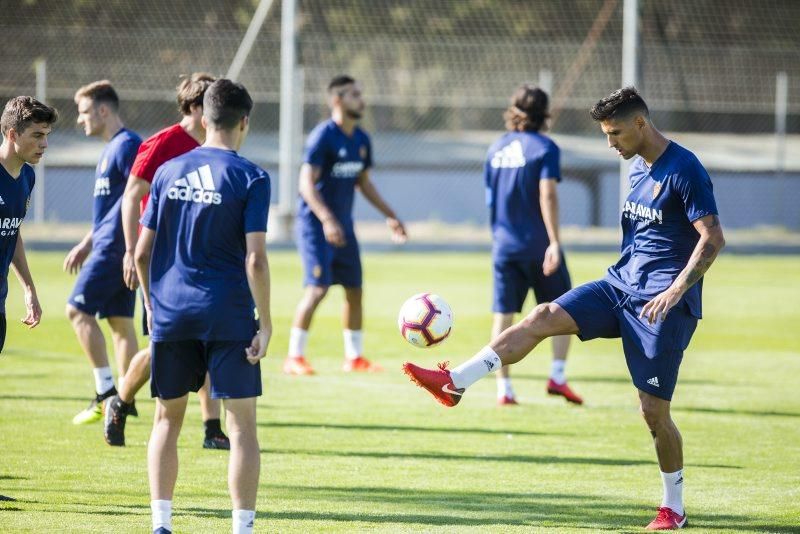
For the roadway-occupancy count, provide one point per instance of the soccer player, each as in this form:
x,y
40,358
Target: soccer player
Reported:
x,y
24,125
338,156
651,297
161,147
100,290
202,263
521,173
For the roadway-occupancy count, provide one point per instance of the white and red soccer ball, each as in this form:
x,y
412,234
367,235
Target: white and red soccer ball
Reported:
x,y
425,320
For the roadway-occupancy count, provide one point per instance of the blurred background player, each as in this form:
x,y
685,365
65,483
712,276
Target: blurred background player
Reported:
x,y
651,298
202,262
521,172
25,125
337,159
161,147
100,290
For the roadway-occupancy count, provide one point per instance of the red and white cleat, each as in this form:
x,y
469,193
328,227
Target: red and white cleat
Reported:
x,y
436,381
563,390
361,365
297,366
507,400
667,520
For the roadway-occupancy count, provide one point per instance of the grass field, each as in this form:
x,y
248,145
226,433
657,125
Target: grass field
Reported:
x,y
348,453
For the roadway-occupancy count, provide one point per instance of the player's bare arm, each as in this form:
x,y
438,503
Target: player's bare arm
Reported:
x,y
19,262
548,201
135,190
257,269
142,256
309,176
77,256
369,191
705,252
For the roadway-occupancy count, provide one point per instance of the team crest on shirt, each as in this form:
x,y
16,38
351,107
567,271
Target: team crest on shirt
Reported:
x,y
343,152
656,189
104,165
362,151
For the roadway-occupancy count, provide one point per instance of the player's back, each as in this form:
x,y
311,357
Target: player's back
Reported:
x,y
514,165
202,204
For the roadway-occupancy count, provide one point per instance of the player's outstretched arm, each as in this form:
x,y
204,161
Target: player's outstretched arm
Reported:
x,y
75,258
548,202
142,256
19,262
257,269
370,192
135,190
705,252
309,176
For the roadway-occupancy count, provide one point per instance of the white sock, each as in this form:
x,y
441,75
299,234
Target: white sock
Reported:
x,y
103,379
162,514
485,362
243,521
558,371
504,388
353,343
297,342
673,491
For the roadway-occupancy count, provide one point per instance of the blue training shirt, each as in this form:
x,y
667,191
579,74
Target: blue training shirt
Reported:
x,y
658,237
514,165
342,158
111,175
15,196
201,206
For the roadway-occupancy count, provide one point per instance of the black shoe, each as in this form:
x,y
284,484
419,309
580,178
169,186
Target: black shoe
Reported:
x,y
162,530
218,441
132,411
114,422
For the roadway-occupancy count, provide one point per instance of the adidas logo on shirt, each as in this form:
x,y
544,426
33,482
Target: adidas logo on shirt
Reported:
x,y
653,381
79,299
2,202
197,186
509,157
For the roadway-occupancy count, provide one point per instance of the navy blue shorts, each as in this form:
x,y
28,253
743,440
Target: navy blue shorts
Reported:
x,y
178,367
653,352
327,265
100,289
514,278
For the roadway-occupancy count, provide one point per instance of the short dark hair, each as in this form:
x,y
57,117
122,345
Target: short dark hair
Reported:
x,y
528,109
622,103
225,103
339,82
191,90
22,111
100,92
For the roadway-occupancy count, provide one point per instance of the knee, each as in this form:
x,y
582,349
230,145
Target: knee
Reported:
x,y
653,414
74,314
540,319
353,295
315,294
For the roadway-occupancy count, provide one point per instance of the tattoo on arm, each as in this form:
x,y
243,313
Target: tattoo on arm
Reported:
x,y
699,263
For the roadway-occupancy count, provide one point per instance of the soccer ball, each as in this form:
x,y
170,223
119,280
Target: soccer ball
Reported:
x,y
425,320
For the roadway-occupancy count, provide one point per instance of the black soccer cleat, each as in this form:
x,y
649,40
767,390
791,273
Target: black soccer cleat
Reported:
x,y
114,422
217,441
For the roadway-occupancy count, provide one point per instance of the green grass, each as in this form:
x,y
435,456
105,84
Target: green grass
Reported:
x,y
361,453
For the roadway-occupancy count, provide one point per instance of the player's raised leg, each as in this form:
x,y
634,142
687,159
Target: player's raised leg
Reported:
x,y
447,386
296,363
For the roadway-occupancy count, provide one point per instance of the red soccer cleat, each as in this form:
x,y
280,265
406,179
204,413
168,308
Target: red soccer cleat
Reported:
x,y
436,381
297,366
507,400
361,365
563,389
667,520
